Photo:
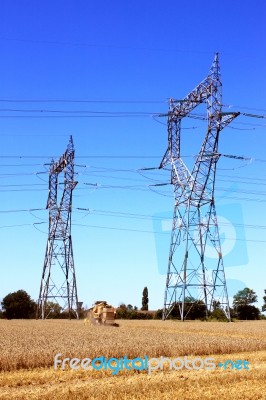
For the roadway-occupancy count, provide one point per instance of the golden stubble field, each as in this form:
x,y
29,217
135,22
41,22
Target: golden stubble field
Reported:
x,y
27,351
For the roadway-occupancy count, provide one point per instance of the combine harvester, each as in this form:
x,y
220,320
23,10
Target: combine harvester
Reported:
x,y
101,314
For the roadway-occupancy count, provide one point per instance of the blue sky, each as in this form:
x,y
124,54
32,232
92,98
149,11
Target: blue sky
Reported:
x,y
110,58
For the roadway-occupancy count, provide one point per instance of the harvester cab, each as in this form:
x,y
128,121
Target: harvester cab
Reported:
x,y
102,313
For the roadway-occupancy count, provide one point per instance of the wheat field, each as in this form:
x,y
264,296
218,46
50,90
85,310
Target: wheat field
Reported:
x,y
27,351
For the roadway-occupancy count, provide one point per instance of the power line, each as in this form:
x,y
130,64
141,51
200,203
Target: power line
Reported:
x,y
119,101
21,165
124,229
84,156
78,111
111,114
76,116
101,101
118,156
24,184
14,226
244,107
118,214
22,210
155,232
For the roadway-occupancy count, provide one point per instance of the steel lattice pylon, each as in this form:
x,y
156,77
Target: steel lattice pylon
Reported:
x,y
58,283
191,276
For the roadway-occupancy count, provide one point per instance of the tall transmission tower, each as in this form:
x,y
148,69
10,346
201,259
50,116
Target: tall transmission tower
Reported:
x,y
191,276
58,283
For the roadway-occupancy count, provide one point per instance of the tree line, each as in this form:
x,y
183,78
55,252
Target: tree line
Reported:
x,y
19,304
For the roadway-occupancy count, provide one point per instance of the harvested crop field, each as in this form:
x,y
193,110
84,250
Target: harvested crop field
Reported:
x,y
27,351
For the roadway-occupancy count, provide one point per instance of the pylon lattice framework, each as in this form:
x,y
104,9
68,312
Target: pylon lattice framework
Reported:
x,y
58,283
191,275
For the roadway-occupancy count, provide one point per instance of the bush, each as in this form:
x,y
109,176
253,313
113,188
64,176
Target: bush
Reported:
x,y
248,312
158,314
124,313
217,315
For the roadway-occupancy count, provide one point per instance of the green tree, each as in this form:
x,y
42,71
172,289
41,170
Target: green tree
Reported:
x,y
54,309
158,314
245,297
218,314
1,311
18,305
145,299
216,304
264,298
248,312
122,311
193,309
242,304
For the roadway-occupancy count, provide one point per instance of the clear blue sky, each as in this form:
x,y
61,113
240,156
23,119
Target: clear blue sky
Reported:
x,y
125,57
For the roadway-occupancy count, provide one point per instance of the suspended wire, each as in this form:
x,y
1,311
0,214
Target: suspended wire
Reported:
x,y
84,156
115,157
109,114
142,187
37,136
233,178
151,187
14,226
261,183
88,170
242,107
244,182
115,101
158,172
23,184
21,165
22,173
118,229
156,232
115,177
118,214
22,190
249,124
79,219
241,129
22,210
79,112
147,177
83,101
37,228
35,216
243,177
132,187
126,115
156,120
157,192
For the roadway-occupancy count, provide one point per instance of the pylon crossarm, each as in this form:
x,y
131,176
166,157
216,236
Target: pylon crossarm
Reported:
x,y
179,109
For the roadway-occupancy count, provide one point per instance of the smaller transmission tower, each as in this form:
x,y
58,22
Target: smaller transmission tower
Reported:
x,y
58,283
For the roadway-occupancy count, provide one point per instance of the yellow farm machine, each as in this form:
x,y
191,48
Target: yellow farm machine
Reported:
x,y
101,313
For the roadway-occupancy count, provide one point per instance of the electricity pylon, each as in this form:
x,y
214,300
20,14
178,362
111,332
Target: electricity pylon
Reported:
x,y
191,276
58,283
